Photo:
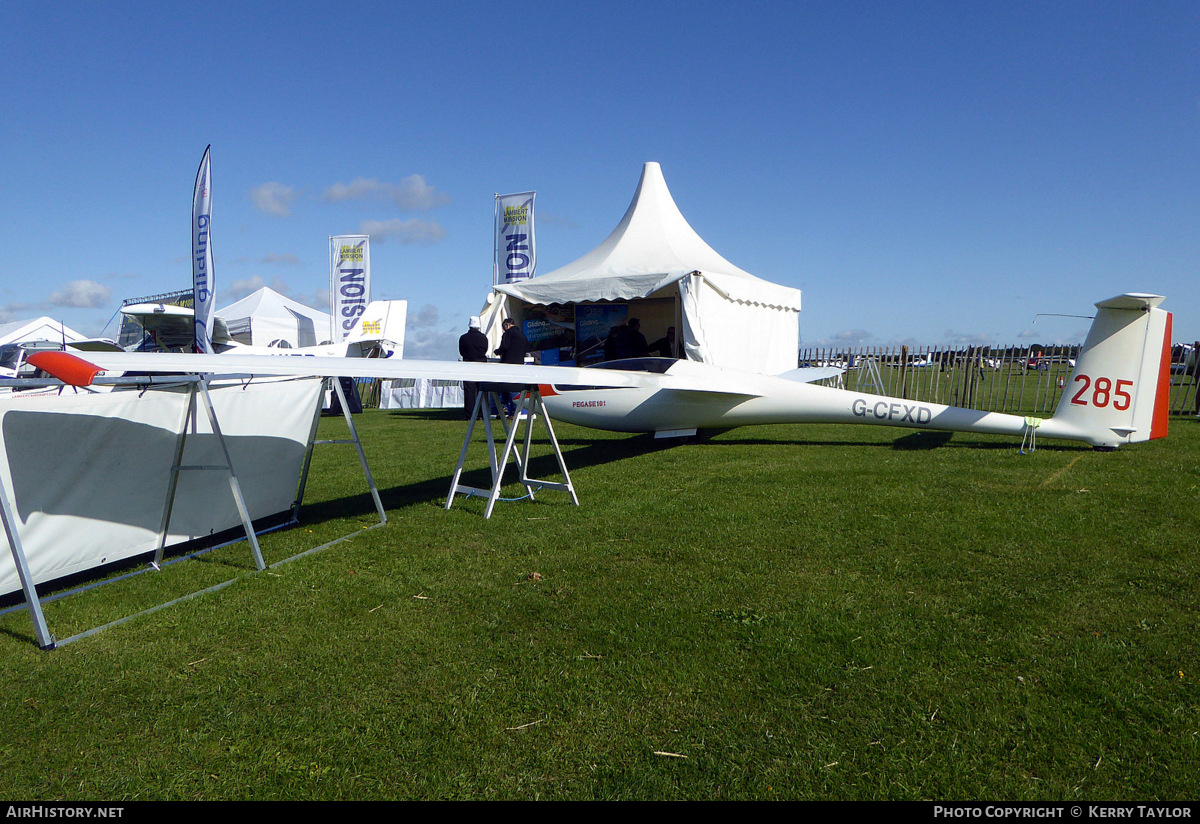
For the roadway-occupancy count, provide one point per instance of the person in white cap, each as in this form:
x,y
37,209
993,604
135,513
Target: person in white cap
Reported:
x,y
472,348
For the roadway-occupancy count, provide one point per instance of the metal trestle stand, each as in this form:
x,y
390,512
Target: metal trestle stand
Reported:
x,y
529,407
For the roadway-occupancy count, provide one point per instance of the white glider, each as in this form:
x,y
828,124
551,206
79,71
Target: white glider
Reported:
x,y
1117,393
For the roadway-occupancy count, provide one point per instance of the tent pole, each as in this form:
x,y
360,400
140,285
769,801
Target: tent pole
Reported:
x,y
678,323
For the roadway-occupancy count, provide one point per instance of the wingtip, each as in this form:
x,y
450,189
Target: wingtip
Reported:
x,y
70,369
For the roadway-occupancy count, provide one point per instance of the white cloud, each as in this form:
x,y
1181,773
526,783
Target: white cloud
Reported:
x,y
412,194
551,219
358,188
15,311
407,231
238,289
847,337
274,198
287,259
967,338
424,340
427,317
81,294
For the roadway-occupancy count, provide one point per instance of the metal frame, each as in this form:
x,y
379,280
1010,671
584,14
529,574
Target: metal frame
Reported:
x,y
234,486
353,439
44,639
197,387
530,405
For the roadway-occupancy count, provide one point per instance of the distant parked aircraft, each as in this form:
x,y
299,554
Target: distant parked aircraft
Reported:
x,y
378,333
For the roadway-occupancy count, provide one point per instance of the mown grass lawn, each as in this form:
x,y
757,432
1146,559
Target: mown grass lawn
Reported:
x,y
781,612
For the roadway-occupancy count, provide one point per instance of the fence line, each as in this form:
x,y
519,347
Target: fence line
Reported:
x,y
1014,379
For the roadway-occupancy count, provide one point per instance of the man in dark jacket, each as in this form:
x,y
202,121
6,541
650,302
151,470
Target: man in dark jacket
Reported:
x,y
472,348
635,341
665,346
513,346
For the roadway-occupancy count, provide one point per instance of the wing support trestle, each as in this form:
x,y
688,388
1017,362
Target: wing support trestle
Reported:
x,y
529,407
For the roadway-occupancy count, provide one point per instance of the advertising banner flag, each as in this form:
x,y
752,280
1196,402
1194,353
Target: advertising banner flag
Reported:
x,y
349,282
516,256
204,288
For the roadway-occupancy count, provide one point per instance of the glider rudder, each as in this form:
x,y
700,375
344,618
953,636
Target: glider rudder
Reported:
x,y
1118,391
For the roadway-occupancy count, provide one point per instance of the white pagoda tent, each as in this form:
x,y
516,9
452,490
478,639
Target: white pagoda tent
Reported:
x,y
724,315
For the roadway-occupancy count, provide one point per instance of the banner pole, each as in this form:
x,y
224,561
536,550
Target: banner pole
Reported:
x,y
495,235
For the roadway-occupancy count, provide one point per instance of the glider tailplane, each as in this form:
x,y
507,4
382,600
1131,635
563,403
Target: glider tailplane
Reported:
x,y
1118,391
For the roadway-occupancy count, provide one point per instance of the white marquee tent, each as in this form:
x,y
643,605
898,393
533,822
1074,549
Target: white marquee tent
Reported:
x,y
265,317
43,328
727,316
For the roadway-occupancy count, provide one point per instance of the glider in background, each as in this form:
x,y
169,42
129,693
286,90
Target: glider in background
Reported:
x,y
379,332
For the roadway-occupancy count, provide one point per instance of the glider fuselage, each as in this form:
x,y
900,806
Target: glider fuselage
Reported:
x,y
693,396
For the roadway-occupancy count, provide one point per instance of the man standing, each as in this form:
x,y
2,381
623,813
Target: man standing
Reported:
x,y
513,346
472,348
665,346
635,341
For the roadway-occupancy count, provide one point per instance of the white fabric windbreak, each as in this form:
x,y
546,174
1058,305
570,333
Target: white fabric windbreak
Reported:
x,y
421,393
88,475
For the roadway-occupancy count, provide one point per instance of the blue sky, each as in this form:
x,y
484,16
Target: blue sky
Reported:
x,y
925,172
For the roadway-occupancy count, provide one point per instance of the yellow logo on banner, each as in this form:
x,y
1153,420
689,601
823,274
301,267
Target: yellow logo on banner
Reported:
x,y
514,215
372,327
351,252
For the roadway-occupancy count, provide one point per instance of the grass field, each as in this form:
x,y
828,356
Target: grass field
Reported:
x,y
779,613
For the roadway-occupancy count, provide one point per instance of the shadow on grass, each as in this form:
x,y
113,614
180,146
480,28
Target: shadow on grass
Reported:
x,y
430,490
427,414
915,441
581,453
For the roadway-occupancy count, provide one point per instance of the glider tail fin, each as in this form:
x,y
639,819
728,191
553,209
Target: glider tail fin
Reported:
x,y
1118,391
383,320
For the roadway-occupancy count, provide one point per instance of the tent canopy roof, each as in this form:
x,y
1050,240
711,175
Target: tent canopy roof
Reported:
x,y
266,301
43,328
651,248
265,317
